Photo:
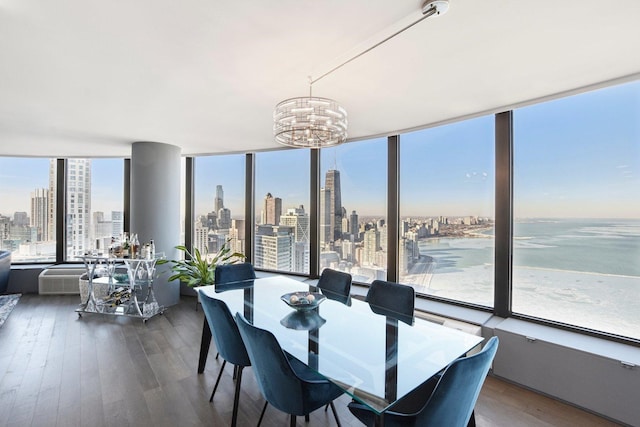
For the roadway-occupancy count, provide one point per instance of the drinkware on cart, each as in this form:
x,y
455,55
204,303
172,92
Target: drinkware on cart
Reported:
x,y
152,249
135,246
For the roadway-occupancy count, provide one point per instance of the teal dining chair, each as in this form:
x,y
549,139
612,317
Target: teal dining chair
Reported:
x,y
392,300
446,400
229,273
228,342
286,383
335,285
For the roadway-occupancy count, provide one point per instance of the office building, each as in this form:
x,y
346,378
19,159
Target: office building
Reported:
x,y
272,209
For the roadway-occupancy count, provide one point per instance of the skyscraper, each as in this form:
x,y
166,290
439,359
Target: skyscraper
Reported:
x,y
224,219
353,225
371,246
272,210
298,220
218,202
332,183
117,223
274,248
51,215
78,206
326,235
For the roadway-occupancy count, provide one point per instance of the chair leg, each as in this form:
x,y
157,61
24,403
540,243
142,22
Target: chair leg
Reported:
x,y
335,414
217,381
306,418
235,372
262,413
236,398
472,420
293,421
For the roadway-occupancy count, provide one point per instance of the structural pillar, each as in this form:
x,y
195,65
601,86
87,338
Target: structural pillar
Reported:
x,y
155,207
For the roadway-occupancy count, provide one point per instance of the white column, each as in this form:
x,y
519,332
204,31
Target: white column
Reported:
x,y
155,207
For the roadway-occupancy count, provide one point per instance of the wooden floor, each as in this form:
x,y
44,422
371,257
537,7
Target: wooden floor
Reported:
x,y
60,370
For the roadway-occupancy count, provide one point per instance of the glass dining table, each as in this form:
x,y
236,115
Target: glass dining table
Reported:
x,y
376,359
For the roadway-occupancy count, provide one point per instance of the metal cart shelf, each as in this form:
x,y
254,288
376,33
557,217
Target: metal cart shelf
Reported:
x,y
133,298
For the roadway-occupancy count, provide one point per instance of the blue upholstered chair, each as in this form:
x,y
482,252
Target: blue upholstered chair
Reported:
x,y
229,273
392,300
285,382
229,343
335,285
446,400
5,269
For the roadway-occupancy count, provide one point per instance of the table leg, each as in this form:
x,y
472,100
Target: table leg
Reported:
x,y
204,346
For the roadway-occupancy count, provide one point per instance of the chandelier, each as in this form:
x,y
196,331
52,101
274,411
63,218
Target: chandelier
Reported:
x,y
310,122
313,122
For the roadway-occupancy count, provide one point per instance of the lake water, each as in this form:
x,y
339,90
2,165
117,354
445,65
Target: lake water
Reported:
x,y
581,272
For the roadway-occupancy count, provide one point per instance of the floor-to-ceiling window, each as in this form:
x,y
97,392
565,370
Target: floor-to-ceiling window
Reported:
x,y
447,181
27,209
94,205
576,256
353,209
219,194
282,210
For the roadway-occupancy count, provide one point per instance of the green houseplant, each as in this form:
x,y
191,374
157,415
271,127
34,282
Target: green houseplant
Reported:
x,y
198,269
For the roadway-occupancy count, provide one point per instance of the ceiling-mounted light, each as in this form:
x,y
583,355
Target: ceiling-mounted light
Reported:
x,y
313,122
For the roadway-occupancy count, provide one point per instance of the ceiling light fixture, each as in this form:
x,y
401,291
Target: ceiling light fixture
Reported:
x,y
313,122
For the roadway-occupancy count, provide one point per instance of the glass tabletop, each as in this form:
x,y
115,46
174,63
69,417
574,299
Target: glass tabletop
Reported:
x,y
375,359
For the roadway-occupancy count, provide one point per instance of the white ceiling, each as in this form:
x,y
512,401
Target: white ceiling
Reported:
x,y
89,77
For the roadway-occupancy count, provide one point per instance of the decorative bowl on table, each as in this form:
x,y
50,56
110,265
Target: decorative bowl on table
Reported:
x,y
303,301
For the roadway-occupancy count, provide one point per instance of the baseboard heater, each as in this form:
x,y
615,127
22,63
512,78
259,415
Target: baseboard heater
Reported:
x,y
597,375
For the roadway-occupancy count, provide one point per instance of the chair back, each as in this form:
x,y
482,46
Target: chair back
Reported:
x,y
228,273
455,396
278,383
392,300
5,269
335,285
224,331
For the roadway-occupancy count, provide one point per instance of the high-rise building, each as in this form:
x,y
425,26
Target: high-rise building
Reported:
x,y
218,202
78,207
101,231
272,210
51,216
224,219
371,246
332,183
117,223
21,219
274,248
201,238
212,220
353,225
298,220
237,235
326,236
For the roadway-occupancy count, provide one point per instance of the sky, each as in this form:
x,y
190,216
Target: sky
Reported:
x,y
574,157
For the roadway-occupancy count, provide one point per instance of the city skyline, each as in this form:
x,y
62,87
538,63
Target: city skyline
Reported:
x,y
575,157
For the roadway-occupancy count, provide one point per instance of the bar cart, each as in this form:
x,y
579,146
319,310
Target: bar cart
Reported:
x,y
132,297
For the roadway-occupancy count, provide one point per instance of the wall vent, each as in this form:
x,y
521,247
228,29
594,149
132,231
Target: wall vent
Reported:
x,y
57,281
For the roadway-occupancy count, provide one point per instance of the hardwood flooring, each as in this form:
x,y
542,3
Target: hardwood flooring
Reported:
x,y
60,370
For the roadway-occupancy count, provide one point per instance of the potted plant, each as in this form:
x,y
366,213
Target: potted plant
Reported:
x,y
198,269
